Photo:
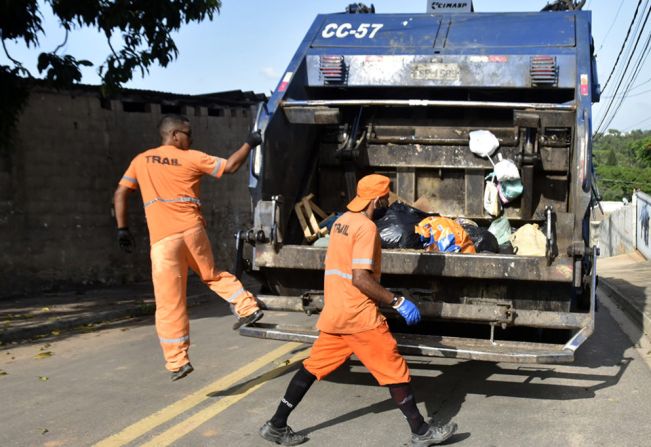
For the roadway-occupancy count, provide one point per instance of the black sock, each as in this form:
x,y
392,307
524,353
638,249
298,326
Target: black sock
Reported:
x,y
403,396
298,386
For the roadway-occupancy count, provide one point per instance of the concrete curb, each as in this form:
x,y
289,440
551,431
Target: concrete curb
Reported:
x,y
638,317
132,310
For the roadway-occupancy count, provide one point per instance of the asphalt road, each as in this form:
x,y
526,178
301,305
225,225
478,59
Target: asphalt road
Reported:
x,y
108,387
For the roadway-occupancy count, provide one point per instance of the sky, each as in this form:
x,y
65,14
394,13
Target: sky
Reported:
x,y
248,45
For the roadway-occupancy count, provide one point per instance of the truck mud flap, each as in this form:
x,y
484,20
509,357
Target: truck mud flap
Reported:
x,y
436,346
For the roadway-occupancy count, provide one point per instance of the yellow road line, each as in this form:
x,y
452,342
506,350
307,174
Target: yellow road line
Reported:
x,y
161,416
183,428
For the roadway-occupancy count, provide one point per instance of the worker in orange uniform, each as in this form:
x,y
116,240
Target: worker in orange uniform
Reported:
x,y
168,178
351,322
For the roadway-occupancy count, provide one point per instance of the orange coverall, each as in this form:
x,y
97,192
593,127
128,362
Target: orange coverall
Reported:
x,y
350,322
168,179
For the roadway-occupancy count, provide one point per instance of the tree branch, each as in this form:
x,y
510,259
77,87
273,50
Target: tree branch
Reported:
x,y
117,58
65,40
18,64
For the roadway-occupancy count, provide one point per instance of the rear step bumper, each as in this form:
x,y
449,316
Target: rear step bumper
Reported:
x,y
417,262
435,346
459,348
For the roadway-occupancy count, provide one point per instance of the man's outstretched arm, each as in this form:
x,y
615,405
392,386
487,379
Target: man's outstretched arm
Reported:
x,y
237,158
369,286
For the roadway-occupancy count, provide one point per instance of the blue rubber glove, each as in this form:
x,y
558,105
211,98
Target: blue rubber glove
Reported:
x,y
409,311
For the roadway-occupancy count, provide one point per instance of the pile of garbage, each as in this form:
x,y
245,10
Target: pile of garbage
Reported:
x,y
405,226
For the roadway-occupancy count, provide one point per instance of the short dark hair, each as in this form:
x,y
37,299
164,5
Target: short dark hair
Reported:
x,y
169,123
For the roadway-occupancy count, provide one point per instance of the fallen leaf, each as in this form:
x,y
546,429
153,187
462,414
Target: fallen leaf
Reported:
x,y
44,430
45,346
45,309
55,333
124,329
43,378
3,372
44,355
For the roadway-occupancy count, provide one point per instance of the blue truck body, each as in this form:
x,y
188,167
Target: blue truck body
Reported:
x,y
398,94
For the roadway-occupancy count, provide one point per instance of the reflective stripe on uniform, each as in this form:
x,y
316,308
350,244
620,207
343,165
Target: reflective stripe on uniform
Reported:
x,y
180,199
175,340
130,179
338,273
362,261
235,295
216,170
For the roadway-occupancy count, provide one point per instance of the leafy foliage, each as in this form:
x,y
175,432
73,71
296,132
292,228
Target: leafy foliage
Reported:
x,y
623,163
642,151
142,27
145,28
14,93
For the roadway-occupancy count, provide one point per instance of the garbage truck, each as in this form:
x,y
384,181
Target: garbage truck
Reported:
x,y
398,95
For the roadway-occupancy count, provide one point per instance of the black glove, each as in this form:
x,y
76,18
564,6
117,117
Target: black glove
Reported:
x,y
125,240
254,138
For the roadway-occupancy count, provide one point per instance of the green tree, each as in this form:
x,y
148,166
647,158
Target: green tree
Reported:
x,y
631,152
145,28
642,151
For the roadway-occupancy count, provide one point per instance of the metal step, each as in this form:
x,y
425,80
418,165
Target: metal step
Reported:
x,y
418,262
436,346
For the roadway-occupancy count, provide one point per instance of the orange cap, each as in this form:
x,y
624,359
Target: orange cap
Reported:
x,y
369,188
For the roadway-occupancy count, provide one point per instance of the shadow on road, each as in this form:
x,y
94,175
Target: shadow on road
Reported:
x,y
443,385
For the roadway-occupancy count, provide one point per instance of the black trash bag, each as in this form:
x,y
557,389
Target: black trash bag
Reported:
x,y
506,249
484,240
396,226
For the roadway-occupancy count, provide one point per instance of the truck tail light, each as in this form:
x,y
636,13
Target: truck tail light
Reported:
x,y
543,71
333,70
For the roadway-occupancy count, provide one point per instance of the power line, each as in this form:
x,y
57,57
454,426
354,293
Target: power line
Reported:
x,y
628,182
631,96
641,84
639,122
630,26
636,71
611,26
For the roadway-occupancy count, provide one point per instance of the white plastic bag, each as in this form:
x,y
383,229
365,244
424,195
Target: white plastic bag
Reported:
x,y
483,143
492,203
506,170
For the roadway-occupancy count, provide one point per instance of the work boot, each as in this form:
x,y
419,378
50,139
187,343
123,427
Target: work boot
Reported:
x,y
182,372
434,435
282,436
249,319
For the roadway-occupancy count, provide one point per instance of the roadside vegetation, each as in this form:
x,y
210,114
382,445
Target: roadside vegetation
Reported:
x,y
622,163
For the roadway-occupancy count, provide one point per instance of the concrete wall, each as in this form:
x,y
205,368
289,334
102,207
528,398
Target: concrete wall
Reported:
x,y
617,232
57,183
